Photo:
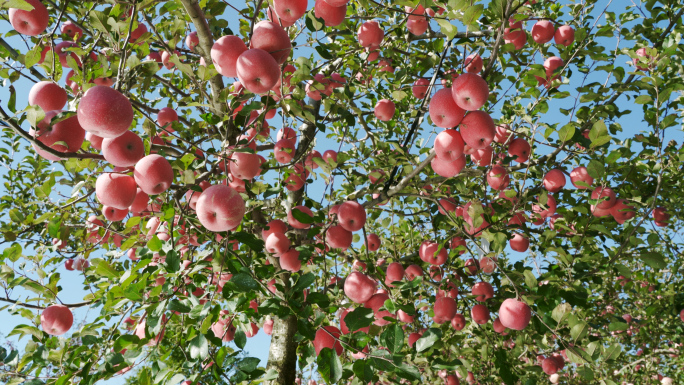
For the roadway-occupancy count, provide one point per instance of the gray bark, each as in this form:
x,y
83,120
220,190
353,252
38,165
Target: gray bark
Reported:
x,y
282,355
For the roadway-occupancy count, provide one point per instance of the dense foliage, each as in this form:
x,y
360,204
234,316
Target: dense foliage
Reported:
x,y
174,296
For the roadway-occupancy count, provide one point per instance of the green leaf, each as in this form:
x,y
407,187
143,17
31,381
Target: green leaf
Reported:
x,y
654,260
596,169
507,375
617,326
448,29
473,13
240,339
566,132
176,305
199,347
586,372
359,318
13,252
303,282
597,130
124,341
363,370
612,352
302,216
579,331
530,279
428,339
393,338
172,261
154,244
560,311
329,365
98,20
250,240
248,364
244,282
643,99
104,269
19,4
16,216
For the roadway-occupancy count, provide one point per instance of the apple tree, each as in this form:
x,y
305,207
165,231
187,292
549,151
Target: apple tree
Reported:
x,y
396,192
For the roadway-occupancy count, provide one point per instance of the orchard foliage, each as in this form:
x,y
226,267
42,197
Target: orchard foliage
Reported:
x,y
483,190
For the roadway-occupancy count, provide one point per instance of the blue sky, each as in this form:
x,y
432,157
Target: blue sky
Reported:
x,y
73,290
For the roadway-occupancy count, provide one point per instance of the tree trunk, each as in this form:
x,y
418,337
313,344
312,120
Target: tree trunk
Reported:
x,y
282,355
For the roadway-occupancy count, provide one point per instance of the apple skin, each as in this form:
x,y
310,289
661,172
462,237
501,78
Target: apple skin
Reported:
x,y
30,23
498,178
224,54
519,243
515,314
105,112
581,174
543,31
123,151
444,310
273,39
514,30
554,180
519,149
550,365
478,129
331,15
327,337
660,216
448,169
483,291
277,243
449,145
601,193
337,237
138,32
294,222
375,302
359,287
470,91
413,337
290,261
139,203
289,10
564,35
56,320
351,216
220,208
274,226
417,26
458,322
68,131
192,40
452,380
395,272
257,70
621,211
473,63
115,190
370,34
244,165
444,111
373,242
384,109
480,314
47,95
165,116
428,253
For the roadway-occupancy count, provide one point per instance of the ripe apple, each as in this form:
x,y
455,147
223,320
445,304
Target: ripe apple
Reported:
x,y
417,26
294,222
105,112
95,141
519,243
433,253
606,197
483,291
351,216
554,180
458,322
153,174
444,310
289,10
384,109
165,117
290,260
514,29
375,302
477,129
338,237
277,243
359,287
420,88
30,23
56,320
413,337
622,212
343,324
225,52
503,132
192,40
220,208
449,145
480,314
47,95
370,34
274,226
373,242
395,273
257,70
564,35
660,216
115,190
224,329
543,31
473,63
244,165
413,271
123,151
498,178
67,132
331,15
515,314
273,39
519,149
448,169
139,203
138,32
551,365
581,174
451,380
470,91
284,151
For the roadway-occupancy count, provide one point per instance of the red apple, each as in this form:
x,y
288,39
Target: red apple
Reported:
x,y
123,151
373,242
384,109
395,273
448,169
113,214
480,314
139,203
519,149
115,190
458,322
444,310
433,253
68,132
192,40
289,10
498,178
338,237
370,34
470,91
30,23
554,180
515,314
277,243
224,54
359,287
56,319
220,208
273,39
294,222
477,129
580,174
274,226
621,211
332,16
105,112
564,35
153,174
351,216
444,111
47,95
473,63
257,70
543,31
413,271
420,88
375,302
606,197
449,145
290,260
483,291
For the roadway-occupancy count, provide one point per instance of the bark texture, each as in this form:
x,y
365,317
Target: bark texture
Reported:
x,y
282,355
